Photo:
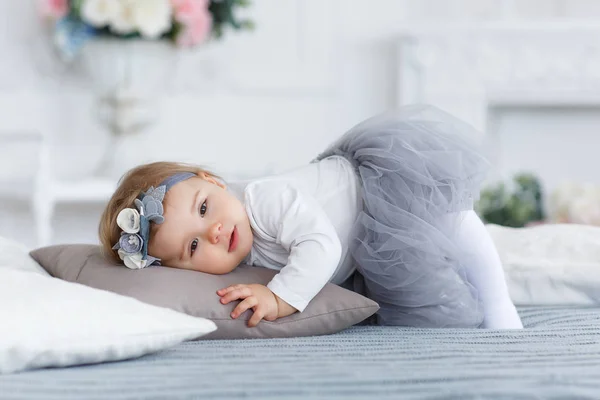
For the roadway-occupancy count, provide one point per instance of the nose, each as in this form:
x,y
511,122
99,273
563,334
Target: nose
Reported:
x,y
214,232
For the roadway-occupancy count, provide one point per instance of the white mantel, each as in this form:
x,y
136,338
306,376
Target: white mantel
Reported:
x,y
481,71
468,68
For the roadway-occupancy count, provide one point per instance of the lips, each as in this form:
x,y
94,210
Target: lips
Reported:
x,y
233,240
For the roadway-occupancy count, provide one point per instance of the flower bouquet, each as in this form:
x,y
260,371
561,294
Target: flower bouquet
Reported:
x,y
186,23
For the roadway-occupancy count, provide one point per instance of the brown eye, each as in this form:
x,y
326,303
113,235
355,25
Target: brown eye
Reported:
x,y
203,209
193,246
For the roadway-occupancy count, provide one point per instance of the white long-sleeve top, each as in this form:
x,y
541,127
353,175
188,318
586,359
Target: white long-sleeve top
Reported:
x,y
301,221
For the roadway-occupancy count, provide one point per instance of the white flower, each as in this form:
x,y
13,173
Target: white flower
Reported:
x,y
561,200
132,261
585,209
152,18
129,220
123,21
122,253
99,13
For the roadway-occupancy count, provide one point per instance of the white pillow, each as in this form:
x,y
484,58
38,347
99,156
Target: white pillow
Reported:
x,y
557,264
47,322
16,256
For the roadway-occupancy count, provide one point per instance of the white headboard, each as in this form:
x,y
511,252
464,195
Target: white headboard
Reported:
x,y
470,70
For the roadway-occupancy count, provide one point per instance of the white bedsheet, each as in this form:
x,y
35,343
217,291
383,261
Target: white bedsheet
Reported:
x,y
555,264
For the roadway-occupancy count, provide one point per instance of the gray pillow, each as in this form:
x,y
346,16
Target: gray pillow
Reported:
x,y
194,293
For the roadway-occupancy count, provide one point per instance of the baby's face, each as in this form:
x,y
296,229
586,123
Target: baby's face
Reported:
x,y
205,229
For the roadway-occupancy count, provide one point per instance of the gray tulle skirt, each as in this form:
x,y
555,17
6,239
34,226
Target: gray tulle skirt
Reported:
x,y
419,167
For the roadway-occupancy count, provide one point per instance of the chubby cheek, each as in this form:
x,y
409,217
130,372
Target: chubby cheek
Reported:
x,y
212,263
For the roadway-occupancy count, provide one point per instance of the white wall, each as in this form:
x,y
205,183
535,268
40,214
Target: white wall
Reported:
x,y
255,102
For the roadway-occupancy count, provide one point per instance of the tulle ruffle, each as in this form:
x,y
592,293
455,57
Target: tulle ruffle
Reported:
x,y
419,167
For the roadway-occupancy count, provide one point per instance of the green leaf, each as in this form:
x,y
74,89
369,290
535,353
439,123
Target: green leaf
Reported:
x,y
75,8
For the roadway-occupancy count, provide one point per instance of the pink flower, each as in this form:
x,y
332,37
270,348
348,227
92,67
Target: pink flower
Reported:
x,y
195,19
187,10
55,8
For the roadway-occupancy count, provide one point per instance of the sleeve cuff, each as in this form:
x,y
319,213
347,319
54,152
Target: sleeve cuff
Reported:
x,y
293,299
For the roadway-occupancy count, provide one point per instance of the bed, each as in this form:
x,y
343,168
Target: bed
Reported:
x,y
557,355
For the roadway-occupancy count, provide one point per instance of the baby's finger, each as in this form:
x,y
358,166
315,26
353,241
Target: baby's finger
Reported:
x,y
248,302
256,317
228,289
236,294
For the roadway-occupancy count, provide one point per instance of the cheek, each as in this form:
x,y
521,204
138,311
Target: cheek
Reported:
x,y
209,261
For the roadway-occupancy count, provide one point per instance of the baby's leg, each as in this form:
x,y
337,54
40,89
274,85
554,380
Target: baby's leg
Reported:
x,y
484,271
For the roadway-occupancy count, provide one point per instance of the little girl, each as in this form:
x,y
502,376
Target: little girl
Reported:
x,y
388,206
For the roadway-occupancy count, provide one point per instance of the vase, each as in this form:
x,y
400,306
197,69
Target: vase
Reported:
x,y
128,77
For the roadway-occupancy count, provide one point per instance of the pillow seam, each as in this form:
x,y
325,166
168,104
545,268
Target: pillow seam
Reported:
x,y
58,257
87,259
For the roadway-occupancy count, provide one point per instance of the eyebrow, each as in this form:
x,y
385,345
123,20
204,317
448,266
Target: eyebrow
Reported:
x,y
195,201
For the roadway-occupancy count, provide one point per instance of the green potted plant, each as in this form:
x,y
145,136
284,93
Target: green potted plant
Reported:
x,y
516,206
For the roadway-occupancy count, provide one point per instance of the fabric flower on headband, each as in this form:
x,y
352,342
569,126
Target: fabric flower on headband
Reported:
x,y
132,246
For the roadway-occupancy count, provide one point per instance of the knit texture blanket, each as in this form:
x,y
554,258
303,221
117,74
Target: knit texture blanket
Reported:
x,y
556,356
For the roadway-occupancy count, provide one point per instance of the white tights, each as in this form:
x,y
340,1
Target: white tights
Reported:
x,y
484,271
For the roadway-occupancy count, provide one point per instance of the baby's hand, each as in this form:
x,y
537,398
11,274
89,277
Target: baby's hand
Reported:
x,y
258,297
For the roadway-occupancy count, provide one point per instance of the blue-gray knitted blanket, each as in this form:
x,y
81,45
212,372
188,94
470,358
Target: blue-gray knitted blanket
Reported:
x,y
556,356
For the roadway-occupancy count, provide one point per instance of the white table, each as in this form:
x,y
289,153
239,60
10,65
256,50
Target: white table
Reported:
x,y
43,190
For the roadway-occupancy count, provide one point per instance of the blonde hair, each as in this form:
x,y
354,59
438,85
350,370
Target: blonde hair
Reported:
x,y
131,184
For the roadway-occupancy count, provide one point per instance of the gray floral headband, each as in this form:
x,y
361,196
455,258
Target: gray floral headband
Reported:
x,y
133,244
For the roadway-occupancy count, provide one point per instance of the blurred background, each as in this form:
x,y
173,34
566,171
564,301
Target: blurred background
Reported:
x,y
91,88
